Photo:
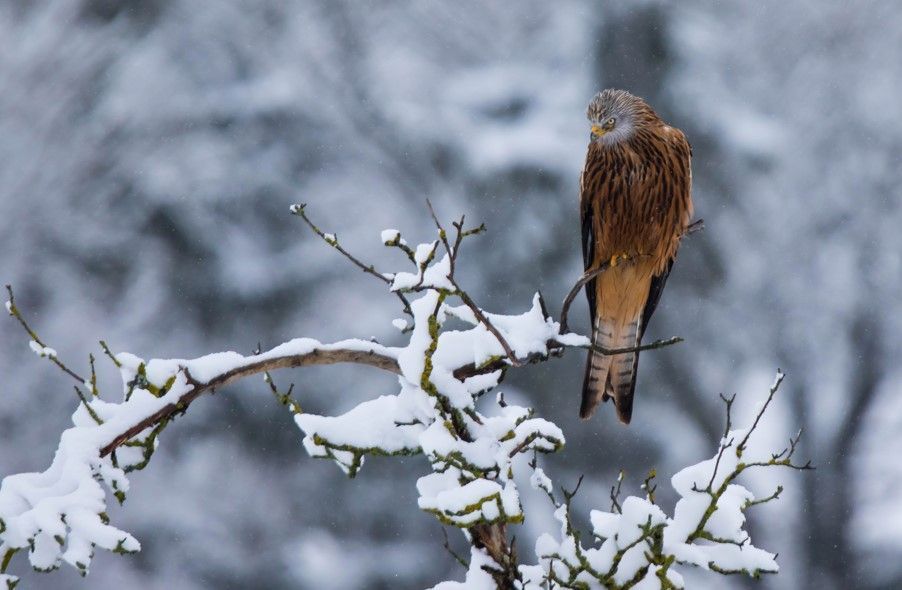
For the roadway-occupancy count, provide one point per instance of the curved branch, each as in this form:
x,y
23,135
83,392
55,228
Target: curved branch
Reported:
x,y
315,357
692,228
587,276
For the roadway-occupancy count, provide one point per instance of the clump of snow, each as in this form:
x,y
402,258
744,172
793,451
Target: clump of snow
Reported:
x,y
478,501
478,576
386,425
539,481
391,236
434,276
41,351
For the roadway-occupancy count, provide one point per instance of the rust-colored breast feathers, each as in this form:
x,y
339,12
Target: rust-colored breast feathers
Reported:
x,y
639,193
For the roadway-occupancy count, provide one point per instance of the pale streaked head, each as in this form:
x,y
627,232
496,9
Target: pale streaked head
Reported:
x,y
614,115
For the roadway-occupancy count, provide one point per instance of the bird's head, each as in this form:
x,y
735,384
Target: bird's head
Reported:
x,y
615,114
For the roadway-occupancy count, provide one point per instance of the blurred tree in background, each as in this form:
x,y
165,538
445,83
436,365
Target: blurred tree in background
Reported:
x,y
148,153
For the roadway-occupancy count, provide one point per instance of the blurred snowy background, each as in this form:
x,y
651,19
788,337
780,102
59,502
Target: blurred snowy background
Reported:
x,y
149,152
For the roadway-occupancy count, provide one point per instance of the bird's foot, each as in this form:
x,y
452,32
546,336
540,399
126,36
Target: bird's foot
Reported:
x,y
616,258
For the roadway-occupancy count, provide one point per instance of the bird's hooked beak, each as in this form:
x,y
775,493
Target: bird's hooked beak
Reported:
x,y
597,131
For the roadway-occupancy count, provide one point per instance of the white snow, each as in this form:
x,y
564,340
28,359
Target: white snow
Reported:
x,y
435,275
41,351
477,577
388,236
539,481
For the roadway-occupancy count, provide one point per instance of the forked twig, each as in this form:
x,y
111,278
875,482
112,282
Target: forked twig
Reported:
x,y
464,296
773,390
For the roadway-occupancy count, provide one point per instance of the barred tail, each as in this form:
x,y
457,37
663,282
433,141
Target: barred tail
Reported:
x,y
612,376
597,368
622,377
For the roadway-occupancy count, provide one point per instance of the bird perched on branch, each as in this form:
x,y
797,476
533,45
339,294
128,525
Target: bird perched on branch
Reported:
x,y
635,205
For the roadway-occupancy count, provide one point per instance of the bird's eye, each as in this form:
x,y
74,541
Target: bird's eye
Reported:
x,y
609,124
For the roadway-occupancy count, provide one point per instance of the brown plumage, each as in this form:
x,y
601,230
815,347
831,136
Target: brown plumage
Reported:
x,y
635,202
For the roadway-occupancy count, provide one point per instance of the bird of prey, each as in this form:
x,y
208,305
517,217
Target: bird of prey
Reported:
x,y
635,205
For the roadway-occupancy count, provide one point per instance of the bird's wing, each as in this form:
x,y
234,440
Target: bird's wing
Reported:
x,y
679,203
654,295
675,204
587,221
595,380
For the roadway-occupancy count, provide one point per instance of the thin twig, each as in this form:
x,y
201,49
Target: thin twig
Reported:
x,y
109,353
468,301
729,410
649,487
283,398
87,406
580,283
442,234
464,233
332,240
773,496
696,226
14,312
572,494
650,346
94,390
723,447
454,554
773,390
615,494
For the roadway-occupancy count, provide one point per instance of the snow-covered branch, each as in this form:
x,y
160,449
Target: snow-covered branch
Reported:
x,y
439,411
637,546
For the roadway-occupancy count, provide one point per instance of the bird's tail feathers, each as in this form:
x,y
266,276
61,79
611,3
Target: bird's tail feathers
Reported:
x,y
612,376
622,376
597,368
